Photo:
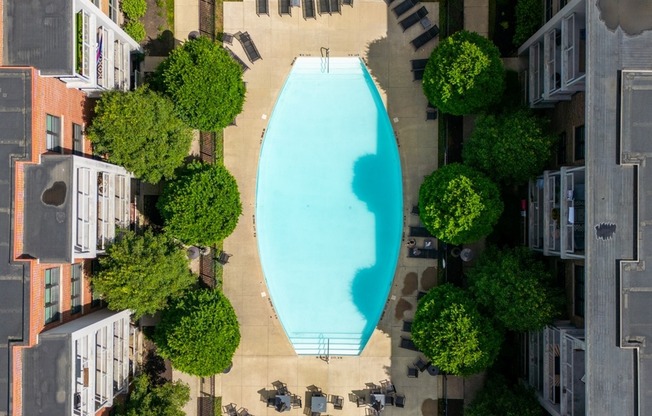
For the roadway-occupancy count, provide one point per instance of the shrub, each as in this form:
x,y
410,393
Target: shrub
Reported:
x,y
142,272
150,399
464,74
450,331
202,205
136,30
497,398
199,333
204,83
529,17
514,288
458,204
140,131
133,9
510,148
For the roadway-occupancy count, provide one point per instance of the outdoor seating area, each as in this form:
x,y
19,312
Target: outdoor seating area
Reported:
x,y
232,409
375,397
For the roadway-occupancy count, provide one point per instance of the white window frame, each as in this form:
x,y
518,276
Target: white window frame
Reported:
x,y
52,295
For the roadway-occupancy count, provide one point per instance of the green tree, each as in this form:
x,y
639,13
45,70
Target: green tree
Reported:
x,y
149,399
199,333
510,148
133,9
135,29
515,288
204,83
141,272
458,204
464,74
450,331
202,205
140,131
529,18
498,398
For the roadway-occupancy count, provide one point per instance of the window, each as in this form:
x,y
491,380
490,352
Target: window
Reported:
x,y
578,291
53,133
561,148
548,8
113,10
77,139
579,142
51,295
75,288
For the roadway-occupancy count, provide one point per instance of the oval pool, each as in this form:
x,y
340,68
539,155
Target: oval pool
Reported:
x,y
329,206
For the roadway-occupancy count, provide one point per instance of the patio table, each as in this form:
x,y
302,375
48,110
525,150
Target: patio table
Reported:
x,y
318,404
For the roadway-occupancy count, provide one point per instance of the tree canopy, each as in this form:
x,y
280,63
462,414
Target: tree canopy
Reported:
x,y
149,399
204,83
141,272
510,147
140,131
497,398
199,333
202,205
464,74
450,331
515,288
458,204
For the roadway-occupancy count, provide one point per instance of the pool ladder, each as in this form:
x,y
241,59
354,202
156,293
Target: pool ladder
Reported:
x,y
327,56
326,356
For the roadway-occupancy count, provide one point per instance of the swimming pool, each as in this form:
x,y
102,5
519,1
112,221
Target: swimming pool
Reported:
x,y
329,206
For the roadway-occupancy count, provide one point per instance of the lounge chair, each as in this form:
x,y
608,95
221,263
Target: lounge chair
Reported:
x,y
418,65
431,112
425,37
324,6
421,364
296,402
284,7
308,9
420,232
412,372
236,58
404,7
408,344
248,45
413,19
336,6
422,253
407,326
389,399
262,7
400,400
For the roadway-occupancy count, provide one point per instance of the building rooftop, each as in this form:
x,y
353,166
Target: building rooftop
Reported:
x,y
618,296
15,140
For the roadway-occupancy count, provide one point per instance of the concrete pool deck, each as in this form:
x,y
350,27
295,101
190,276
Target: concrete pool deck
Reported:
x,y
368,29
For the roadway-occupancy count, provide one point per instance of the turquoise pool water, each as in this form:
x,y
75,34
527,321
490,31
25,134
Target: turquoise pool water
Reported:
x,y
329,206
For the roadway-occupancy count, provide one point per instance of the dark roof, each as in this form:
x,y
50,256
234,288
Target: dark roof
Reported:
x,y
15,143
39,33
618,283
47,372
49,196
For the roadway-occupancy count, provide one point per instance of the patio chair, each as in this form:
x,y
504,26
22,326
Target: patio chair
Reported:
x,y
417,75
389,400
360,401
281,388
425,37
400,400
236,58
337,401
296,402
284,7
271,402
421,364
412,372
404,7
308,9
262,7
413,18
227,38
223,258
243,412
231,409
387,387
